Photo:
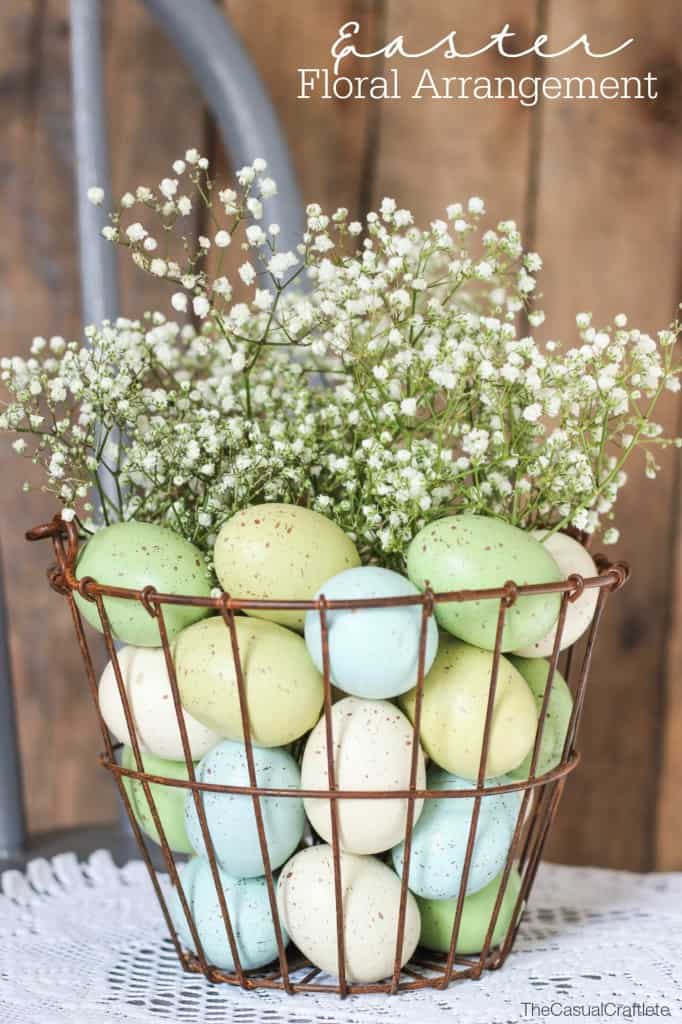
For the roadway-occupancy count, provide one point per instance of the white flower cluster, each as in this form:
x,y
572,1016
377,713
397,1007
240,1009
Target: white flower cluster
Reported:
x,y
377,374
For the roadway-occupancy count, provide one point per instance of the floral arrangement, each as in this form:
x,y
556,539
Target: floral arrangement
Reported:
x,y
366,403
381,370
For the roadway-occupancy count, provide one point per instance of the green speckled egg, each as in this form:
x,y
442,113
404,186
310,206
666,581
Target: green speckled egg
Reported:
x,y
438,917
454,710
169,800
558,714
280,552
284,689
136,555
470,552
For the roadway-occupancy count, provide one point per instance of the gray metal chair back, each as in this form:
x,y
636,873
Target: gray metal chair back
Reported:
x,y
249,128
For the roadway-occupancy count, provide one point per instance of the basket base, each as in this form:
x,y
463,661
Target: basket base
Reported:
x,y
425,970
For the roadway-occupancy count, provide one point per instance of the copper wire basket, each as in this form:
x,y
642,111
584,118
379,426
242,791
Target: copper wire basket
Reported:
x,y
540,793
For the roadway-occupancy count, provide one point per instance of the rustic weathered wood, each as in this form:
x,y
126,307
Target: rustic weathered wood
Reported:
x,y
669,808
39,294
155,114
599,186
434,152
608,224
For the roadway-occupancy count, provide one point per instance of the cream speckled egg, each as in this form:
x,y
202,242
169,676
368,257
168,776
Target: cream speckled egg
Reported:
x,y
284,689
372,750
454,711
469,552
371,901
134,556
571,557
145,677
280,552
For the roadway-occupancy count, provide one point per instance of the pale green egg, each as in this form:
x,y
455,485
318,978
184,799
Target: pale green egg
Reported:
x,y
438,918
169,801
280,552
284,690
454,711
135,556
557,716
469,552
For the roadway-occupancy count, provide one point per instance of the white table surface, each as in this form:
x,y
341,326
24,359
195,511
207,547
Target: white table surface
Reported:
x,y
86,944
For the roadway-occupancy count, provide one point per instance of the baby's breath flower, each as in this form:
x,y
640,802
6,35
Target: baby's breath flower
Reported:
x,y
410,395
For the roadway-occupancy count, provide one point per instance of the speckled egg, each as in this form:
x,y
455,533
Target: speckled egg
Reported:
x,y
373,652
280,552
469,552
557,716
137,555
231,817
148,687
248,905
284,689
454,711
371,901
438,918
440,837
571,557
372,750
168,800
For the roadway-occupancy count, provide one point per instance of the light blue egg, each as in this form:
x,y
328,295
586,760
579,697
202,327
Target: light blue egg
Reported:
x,y
440,837
373,652
248,905
231,818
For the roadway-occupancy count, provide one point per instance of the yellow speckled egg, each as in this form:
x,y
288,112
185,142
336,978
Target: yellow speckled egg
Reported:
x,y
454,710
371,902
279,552
284,689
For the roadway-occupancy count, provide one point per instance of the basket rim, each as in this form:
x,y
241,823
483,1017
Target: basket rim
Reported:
x,y
612,575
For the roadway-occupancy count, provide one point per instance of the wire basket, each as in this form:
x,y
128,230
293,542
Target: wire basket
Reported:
x,y
540,793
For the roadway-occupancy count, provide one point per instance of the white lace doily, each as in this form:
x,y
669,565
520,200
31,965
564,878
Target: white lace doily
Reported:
x,y
86,944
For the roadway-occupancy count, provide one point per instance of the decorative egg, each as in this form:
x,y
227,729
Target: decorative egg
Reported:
x,y
440,837
145,677
454,711
135,556
557,716
169,801
372,750
248,904
284,689
438,918
280,552
373,652
571,557
371,902
231,818
469,552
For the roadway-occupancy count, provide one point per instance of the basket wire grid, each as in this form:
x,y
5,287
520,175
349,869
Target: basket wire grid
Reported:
x,y
540,793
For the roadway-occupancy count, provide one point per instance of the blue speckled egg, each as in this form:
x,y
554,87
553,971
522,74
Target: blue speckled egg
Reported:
x,y
248,905
373,652
230,816
440,837
134,556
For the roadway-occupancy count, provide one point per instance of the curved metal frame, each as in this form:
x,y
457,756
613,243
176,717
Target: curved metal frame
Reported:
x,y
540,792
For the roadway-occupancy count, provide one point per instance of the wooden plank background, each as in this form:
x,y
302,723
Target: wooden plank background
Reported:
x,y
597,185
